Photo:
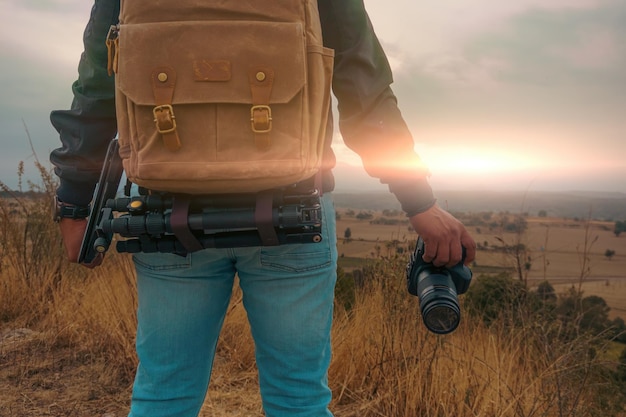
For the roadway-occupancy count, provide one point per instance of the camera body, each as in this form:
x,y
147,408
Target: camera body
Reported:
x,y
438,289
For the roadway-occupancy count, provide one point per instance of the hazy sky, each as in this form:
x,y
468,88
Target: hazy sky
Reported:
x,y
499,95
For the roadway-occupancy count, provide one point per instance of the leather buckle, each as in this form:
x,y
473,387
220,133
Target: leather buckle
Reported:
x,y
261,118
164,118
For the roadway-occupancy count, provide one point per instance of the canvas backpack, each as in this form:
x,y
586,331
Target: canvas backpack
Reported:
x,y
220,96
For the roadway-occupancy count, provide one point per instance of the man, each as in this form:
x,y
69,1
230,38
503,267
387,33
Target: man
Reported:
x,y
288,290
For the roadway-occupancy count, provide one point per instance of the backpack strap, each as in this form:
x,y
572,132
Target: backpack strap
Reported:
x,y
112,44
261,81
163,83
180,224
263,217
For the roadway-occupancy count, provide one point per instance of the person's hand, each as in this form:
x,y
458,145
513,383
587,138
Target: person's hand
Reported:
x,y
73,231
444,236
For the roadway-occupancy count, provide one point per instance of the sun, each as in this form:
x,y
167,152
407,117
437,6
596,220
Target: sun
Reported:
x,y
477,161
483,167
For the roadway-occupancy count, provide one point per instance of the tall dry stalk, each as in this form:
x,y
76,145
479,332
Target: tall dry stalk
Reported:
x,y
545,260
32,256
584,252
99,315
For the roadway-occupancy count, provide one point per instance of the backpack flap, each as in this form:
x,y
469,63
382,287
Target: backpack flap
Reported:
x,y
219,106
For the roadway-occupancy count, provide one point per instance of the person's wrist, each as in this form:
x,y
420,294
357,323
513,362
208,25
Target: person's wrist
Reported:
x,y
62,210
414,195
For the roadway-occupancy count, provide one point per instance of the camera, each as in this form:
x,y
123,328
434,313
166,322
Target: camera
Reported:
x,y
437,289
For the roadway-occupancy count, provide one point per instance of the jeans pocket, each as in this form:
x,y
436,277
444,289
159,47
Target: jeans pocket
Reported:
x,y
161,261
300,258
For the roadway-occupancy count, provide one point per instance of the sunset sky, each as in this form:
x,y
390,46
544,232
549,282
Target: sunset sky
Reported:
x,y
528,94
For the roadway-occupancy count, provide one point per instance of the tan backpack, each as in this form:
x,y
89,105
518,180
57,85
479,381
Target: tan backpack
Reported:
x,y
220,96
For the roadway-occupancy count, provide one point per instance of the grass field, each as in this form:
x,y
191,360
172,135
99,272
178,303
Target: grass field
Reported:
x,y
67,334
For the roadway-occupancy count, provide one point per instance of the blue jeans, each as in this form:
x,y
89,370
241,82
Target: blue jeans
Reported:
x,y
288,296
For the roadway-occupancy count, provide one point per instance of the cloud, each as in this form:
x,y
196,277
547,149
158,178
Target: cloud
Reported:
x,y
41,43
47,32
482,41
562,47
551,62
425,27
597,50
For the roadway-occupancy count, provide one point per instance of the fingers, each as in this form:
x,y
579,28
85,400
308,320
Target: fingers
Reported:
x,y
470,248
431,250
444,238
443,252
456,253
72,231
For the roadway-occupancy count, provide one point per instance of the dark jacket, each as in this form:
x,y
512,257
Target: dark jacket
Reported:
x,y
369,118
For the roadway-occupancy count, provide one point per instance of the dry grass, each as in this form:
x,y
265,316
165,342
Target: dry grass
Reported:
x,y
74,354
389,365
385,363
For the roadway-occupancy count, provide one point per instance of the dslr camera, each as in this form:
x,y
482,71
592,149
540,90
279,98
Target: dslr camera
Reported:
x,y
437,289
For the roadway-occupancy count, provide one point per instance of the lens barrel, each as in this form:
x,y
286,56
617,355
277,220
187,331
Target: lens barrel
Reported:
x,y
438,301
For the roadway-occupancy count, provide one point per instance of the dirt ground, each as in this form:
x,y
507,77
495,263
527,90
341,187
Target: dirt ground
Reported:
x,y
39,380
42,380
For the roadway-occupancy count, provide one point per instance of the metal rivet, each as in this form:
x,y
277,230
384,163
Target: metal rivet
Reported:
x,y
162,77
260,76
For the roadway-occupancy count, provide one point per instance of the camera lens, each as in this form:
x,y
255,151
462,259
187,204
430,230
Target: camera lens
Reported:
x,y
438,302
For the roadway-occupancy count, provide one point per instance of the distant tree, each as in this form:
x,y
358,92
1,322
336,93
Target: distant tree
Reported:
x,y
569,304
364,215
589,314
595,314
528,264
619,331
517,225
545,292
619,228
609,253
621,368
347,234
391,212
542,213
490,298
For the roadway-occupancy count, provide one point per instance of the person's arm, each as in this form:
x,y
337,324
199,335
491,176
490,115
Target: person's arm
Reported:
x,y
87,127
372,125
